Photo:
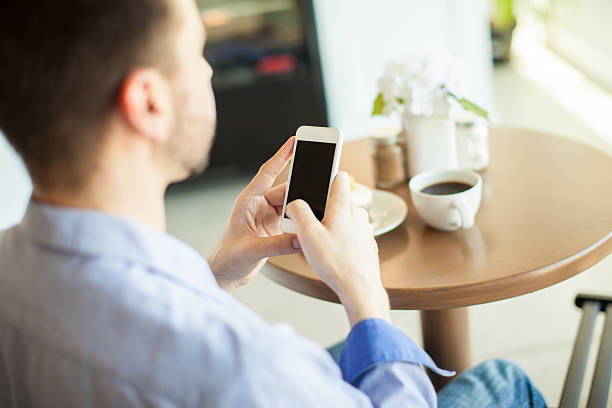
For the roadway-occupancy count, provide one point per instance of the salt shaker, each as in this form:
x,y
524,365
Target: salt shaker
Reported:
x,y
388,157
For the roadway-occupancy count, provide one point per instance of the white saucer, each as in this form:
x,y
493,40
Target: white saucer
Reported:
x,y
387,211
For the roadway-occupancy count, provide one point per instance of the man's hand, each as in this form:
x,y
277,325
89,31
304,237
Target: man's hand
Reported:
x,y
253,231
343,252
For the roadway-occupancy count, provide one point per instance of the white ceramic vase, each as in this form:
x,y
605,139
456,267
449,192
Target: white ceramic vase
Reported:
x,y
431,143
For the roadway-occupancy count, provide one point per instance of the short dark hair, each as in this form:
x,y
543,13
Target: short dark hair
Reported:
x,y
61,66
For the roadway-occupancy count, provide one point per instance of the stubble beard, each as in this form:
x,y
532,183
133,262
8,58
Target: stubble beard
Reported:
x,y
194,129
192,137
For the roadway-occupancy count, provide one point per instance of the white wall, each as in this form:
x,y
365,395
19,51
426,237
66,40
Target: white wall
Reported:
x,y
357,37
580,31
15,185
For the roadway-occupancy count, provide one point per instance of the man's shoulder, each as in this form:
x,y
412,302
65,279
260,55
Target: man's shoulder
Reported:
x,y
6,236
123,320
112,297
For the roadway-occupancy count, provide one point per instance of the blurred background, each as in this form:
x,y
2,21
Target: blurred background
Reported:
x,y
538,64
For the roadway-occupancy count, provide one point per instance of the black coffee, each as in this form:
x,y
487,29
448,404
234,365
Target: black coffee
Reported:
x,y
447,187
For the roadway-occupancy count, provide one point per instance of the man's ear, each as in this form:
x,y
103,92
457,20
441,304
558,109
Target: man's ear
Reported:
x,y
146,103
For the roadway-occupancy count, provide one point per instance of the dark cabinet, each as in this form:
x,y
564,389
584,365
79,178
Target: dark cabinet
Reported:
x,y
267,78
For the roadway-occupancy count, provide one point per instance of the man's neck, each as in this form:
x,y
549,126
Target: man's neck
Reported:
x,y
130,197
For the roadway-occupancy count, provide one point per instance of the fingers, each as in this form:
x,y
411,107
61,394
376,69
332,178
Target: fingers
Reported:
x,y
303,216
340,191
270,170
362,213
364,217
283,244
276,196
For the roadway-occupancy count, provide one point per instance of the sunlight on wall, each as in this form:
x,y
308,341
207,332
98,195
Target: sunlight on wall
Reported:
x,y
568,87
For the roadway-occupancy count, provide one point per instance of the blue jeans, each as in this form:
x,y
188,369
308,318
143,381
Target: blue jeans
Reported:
x,y
494,383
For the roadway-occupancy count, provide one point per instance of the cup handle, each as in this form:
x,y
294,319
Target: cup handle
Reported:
x,y
467,218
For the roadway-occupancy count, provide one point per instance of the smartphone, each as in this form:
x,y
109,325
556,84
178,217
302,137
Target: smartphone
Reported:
x,y
315,161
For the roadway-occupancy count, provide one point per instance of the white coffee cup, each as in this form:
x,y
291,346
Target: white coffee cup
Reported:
x,y
447,212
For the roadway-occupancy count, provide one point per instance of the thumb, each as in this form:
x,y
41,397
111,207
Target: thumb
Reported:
x,y
270,170
340,191
300,212
283,244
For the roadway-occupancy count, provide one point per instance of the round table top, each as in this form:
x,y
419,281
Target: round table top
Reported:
x,y
546,215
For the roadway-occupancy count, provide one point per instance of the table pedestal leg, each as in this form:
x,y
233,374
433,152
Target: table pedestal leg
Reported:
x,y
446,338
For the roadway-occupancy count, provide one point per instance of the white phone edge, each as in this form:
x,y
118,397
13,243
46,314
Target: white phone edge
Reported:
x,y
313,134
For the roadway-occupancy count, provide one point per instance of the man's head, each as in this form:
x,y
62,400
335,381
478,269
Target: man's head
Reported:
x,y
82,78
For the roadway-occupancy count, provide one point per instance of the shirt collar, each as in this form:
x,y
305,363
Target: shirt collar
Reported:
x,y
95,233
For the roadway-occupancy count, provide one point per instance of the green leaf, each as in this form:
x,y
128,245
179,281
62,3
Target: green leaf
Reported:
x,y
379,104
467,105
472,107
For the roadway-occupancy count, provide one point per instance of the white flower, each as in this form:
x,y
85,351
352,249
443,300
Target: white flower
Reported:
x,y
417,81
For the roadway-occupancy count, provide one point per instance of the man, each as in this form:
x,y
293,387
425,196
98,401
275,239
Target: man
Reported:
x,y
108,102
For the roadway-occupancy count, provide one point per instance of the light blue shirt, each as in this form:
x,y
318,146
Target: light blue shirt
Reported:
x,y
101,311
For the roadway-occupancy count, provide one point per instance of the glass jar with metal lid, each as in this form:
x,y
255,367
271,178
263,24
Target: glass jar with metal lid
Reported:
x,y
473,143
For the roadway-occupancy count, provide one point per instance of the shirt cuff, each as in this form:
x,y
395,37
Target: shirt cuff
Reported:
x,y
375,341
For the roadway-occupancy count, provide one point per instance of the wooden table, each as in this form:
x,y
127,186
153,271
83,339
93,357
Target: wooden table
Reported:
x,y
546,215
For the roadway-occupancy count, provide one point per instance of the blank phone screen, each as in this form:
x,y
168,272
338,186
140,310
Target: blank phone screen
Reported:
x,y
312,166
